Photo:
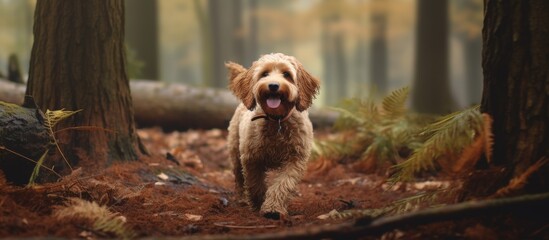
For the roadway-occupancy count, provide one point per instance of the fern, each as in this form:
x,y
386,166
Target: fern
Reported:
x,y
393,105
52,118
378,130
396,207
356,213
36,169
413,202
103,220
447,136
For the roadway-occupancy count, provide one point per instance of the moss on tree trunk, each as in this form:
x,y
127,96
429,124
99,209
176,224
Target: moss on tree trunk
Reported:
x,y
22,133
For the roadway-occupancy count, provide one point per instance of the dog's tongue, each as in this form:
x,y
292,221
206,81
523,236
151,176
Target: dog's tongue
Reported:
x,y
273,102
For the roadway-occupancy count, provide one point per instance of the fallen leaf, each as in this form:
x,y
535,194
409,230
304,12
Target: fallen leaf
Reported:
x,y
193,217
163,176
328,215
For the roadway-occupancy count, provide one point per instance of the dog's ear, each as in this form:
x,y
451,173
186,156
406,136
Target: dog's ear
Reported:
x,y
308,87
234,69
240,83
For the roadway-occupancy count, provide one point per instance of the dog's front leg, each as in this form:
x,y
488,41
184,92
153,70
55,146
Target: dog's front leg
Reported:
x,y
278,194
254,183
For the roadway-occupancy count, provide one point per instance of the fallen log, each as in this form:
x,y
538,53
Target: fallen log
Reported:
x,y
24,137
176,106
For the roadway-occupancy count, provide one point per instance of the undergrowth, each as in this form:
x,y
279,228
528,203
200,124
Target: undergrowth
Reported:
x,y
373,133
378,135
101,218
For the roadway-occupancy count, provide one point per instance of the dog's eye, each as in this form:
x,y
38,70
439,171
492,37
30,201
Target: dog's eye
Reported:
x,y
264,74
287,75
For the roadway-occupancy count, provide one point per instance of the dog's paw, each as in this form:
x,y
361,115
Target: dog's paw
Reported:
x,y
272,215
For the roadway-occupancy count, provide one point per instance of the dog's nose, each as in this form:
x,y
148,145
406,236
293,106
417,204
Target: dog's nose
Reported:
x,y
273,87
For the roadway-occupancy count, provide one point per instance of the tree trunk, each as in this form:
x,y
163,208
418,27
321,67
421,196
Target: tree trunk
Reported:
x,y
78,62
328,63
473,69
516,81
378,50
252,51
431,90
361,72
334,59
227,40
206,43
340,65
142,34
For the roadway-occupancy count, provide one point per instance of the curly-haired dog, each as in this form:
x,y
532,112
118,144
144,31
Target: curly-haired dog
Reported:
x,y
270,130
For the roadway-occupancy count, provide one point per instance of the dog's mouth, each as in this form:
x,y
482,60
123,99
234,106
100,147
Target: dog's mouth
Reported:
x,y
273,101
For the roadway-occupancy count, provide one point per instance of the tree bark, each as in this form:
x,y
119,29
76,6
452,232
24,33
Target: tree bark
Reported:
x,y
431,90
78,62
175,106
516,81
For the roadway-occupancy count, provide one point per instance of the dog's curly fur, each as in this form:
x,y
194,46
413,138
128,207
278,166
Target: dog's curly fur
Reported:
x,y
282,141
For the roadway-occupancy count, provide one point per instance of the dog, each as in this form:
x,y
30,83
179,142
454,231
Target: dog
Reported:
x,y
270,130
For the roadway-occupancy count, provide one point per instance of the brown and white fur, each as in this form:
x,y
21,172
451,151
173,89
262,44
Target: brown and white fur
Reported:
x,y
270,130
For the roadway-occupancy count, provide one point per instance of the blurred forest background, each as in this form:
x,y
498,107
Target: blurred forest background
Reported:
x,y
354,46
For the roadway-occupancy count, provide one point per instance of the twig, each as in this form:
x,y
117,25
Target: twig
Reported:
x,y
89,128
244,227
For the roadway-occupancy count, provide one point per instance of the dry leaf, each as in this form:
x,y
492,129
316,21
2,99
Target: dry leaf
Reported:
x,y
193,217
163,176
488,136
328,215
470,155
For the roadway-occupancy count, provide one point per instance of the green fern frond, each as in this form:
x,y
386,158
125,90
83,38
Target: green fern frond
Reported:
x,y
103,220
52,118
394,104
356,213
379,130
456,120
347,119
449,135
412,202
36,169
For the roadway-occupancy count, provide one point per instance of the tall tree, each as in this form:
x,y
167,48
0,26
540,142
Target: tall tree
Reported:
x,y
333,50
78,62
142,34
516,81
252,50
467,17
227,37
378,46
207,57
431,90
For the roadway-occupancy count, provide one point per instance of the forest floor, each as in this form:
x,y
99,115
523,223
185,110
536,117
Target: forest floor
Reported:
x,y
190,193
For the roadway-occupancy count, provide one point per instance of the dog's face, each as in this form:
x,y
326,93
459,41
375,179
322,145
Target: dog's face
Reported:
x,y
276,81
